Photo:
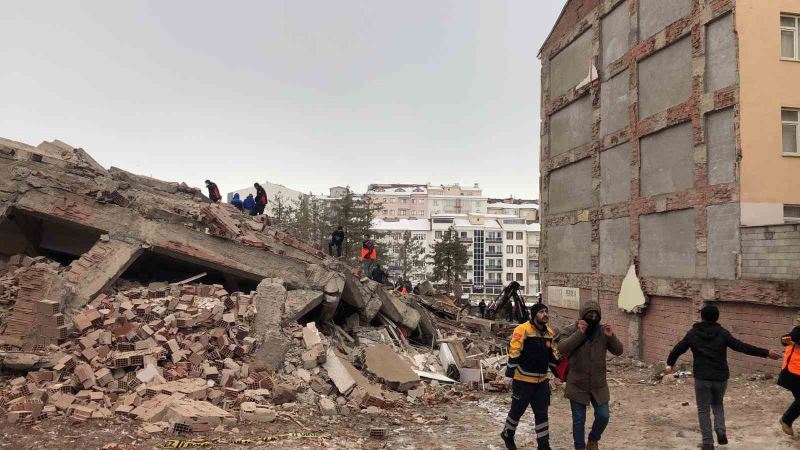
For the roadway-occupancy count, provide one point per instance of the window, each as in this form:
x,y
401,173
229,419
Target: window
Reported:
x,y
403,201
391,212
385,212
519,277
509,276
403,212
791,213
520,263
509,263
463,234
419,236
519,249
438,235
790,35
510,235
519,236
791,131
509,249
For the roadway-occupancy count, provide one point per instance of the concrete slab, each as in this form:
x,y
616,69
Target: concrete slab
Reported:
x,y
384,364
338,373
299,303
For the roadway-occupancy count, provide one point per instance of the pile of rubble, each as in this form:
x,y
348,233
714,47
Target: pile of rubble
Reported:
x,y
283,328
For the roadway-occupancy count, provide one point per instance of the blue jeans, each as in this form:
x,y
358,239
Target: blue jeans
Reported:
x,y
601,416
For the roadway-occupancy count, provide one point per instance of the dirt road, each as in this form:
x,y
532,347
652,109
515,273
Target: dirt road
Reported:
x,y
642,417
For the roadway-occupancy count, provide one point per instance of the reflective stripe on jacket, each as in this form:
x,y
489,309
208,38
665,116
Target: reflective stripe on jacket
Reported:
x,y
531,353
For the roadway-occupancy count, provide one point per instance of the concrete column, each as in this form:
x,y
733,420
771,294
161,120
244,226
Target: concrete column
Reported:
x,y
635,343
98,269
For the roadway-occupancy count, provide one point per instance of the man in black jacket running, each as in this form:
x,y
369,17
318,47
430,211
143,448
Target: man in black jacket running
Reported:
x,y
709,343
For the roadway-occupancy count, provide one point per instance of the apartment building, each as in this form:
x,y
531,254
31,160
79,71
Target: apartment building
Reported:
x,y
400,201
670,144
388,245
528,210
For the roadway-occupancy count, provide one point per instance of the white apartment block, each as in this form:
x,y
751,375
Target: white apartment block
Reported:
x,y
523,210
421,201
394,229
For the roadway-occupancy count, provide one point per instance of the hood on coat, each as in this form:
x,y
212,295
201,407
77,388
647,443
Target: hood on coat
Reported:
x,y
236,196
590,306
707,331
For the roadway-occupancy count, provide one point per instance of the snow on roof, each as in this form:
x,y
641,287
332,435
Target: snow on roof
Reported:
x,y
401,225
513,206
465,223
534,227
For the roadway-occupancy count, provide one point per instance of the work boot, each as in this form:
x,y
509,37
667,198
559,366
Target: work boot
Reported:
x,y
787,428
508,438
592,445
722,438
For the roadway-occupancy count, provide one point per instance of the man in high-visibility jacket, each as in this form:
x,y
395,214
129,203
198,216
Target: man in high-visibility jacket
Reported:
x,y
368,255
531,355
790,376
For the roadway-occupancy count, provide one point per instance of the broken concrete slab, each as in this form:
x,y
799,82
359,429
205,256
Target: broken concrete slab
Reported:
x,y
397,310
338,372
270,298
384,364
299,303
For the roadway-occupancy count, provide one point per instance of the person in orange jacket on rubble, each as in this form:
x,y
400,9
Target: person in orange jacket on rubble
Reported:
x,y
368,255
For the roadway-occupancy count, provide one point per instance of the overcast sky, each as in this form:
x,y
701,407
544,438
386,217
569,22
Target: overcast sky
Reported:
x,y
309,94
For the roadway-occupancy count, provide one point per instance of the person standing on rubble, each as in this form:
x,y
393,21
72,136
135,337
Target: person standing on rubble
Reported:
x,y
789,377
482,308
531,355
213,192
368,255
261,199
586,342
249,205
236,201
337,239
709,343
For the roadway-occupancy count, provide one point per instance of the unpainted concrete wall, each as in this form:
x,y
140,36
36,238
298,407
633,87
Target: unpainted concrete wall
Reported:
x,y
615,174
574,245
723,240
615,246
771,252
571,127
571,187
721,144
667,244
667,160
614,33
571,65
614,104
655,15
721,64
665,79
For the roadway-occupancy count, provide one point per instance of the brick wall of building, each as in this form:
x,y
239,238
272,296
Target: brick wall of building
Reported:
x,y
771,253
617,318
664,323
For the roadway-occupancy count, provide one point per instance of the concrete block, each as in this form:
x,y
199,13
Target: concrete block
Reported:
x,y
721,144
571,65
667,161
667,244
311,336
721,55
269,298
723,240
338,373
655,15
569,248
615,174
385,365
665,79
299,303
614,33
570,187
399,312
615,246
571,127
614,104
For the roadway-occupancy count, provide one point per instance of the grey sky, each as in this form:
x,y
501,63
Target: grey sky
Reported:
x,y
309,94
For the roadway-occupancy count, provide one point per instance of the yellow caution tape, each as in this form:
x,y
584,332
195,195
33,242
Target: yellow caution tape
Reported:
x,y
202,442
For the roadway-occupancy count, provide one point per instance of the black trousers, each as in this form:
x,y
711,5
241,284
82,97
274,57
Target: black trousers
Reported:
x,y
793,412
334,245
537,396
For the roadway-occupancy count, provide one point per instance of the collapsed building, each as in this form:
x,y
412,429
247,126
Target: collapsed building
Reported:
x,y
123,295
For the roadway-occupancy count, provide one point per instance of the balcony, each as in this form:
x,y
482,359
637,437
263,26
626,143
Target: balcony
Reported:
x,y
494,254
494,282
494,240
465,239
494,268
465,282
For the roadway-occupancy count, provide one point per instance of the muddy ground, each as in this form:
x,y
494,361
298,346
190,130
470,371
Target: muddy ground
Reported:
x,y
644,416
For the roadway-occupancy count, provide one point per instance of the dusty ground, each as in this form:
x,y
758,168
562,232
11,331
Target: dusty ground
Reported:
x,y
643,417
